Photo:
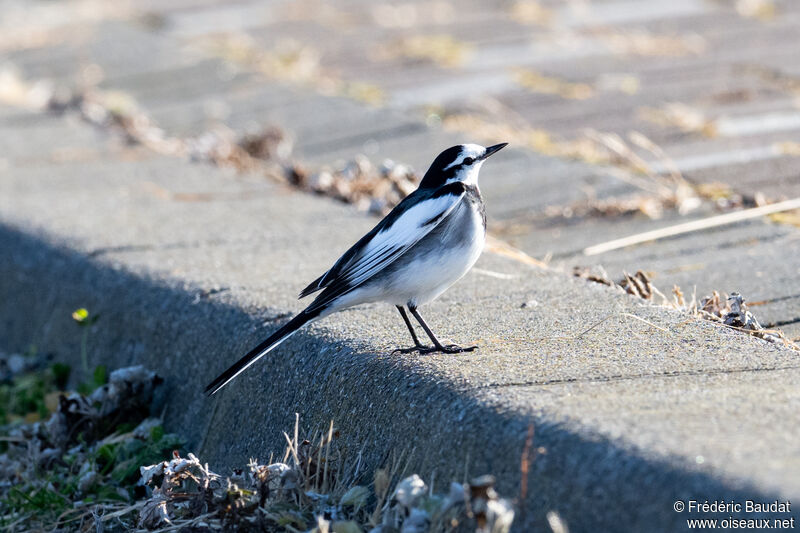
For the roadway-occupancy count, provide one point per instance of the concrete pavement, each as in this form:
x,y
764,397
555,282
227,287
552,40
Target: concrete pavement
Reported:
x,y
629,417
190,265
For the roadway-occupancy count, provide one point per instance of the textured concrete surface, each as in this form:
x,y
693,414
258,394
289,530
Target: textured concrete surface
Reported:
x,y
189,265
724,66
621,412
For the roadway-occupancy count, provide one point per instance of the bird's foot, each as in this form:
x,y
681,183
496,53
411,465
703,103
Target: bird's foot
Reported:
x,y
418,348
423,350
455,348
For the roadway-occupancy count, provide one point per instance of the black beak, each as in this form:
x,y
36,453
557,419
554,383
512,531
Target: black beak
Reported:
x,y
492,149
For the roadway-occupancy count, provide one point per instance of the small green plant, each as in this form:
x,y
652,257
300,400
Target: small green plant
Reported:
x,y
98,379
82,317
30,396
120,461
93,447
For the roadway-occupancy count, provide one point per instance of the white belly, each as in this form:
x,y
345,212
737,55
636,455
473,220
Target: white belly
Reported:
x,y
427,269
437,264
433,277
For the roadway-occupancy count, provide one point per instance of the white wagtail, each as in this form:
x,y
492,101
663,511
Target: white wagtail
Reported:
x,y
423,246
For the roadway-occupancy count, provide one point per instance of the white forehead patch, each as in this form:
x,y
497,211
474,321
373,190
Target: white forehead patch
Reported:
x,y
467,150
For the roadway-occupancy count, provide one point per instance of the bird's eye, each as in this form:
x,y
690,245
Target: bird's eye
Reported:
x,y
469,160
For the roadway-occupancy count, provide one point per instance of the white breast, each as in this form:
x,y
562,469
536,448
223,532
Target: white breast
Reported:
x,y
428,268
430,274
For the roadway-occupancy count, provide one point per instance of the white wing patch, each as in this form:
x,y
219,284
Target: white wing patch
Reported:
x,y
392,242
415,223
406,231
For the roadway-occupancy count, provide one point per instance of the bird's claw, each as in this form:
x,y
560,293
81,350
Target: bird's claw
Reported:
x,y
455,348
423,350
419,348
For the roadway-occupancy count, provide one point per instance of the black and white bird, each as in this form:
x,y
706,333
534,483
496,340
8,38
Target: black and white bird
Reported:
x,y
423,246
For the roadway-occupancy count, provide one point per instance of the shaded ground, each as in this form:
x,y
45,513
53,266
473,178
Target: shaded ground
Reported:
x,y
712,85
626,413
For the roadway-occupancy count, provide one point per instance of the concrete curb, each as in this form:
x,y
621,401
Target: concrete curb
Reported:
x,y
186,306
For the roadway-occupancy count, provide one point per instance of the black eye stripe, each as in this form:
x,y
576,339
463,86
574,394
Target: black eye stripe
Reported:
x,y
469,160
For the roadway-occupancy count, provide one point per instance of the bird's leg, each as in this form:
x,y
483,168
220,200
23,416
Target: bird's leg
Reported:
x,y
418,346
450,348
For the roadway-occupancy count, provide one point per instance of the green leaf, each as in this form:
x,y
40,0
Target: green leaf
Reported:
x,y
126,471
106,457
100,376
156,433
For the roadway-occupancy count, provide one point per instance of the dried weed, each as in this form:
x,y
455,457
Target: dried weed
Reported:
x,y
442,50
96,465
539,83
727,311
684,117
764,10
644,43
289,61
371,188
375,189
621,157
531,12
315,489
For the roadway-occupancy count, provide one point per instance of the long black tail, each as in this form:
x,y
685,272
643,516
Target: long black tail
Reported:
x,y
261,350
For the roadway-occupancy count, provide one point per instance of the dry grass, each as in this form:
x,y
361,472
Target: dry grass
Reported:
x,y
442,50
788,148
371,188
764,10
694,226
288,61
531,12
783,81
540,83
624,158
89,468
537,82
684,117
728,311
644,43
316,487
621,82
268,152
411,14
789,217
521,134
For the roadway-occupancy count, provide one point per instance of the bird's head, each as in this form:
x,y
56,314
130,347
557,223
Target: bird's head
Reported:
x,y
458,163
